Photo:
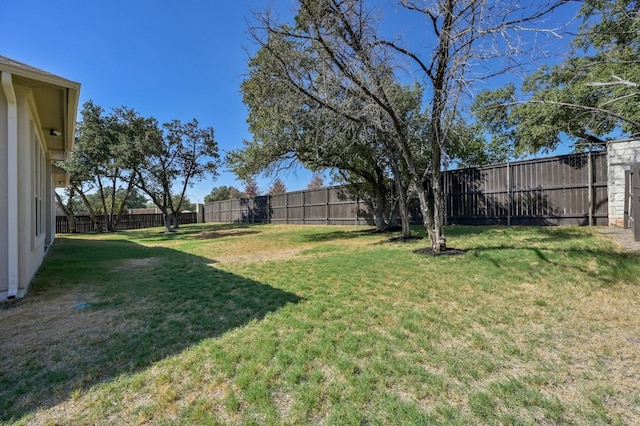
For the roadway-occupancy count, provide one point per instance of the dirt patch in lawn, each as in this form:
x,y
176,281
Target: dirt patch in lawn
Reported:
x,y
136,263
48,334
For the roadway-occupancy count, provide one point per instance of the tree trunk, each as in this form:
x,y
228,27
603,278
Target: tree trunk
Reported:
x,y
394,211
97,223
116,219
167,219
175,219
105,211
405,219
438,241
68,211
379,209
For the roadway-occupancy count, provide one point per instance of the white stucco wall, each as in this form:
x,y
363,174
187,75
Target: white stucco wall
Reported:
x,y
31,236
30,152
620,155
4,281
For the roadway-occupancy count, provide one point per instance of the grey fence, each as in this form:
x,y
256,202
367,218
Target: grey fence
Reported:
x,y
568,189
129,221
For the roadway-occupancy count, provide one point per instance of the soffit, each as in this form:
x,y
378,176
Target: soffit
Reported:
x,y
56,100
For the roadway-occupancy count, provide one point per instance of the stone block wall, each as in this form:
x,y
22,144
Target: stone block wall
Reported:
x,y
621,154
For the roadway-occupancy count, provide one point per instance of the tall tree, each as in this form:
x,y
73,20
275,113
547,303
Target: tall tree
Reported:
x,y
348,50
589,98
104,160
177,157
297,113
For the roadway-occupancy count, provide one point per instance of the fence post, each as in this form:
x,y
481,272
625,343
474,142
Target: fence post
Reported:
x,y
357,211
445,195
200,213
286,208
509,194
590,195
327,205
268,216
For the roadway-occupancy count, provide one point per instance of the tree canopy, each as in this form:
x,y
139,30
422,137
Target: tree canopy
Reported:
x,y
176,157
124,153
105,158
589,98
222,193
325,90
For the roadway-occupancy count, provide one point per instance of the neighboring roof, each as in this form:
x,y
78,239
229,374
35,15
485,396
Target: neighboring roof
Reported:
x,y
56,98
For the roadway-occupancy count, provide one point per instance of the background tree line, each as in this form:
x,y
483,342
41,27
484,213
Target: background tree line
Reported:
x,y
124,154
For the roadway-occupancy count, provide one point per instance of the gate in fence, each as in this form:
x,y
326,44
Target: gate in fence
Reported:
x,y
632,200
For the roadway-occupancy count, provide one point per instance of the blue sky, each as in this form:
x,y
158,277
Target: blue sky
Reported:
x,y
170,59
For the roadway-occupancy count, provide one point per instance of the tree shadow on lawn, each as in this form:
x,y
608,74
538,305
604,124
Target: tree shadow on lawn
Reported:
x,y
100,309
201,231
319,237
607,266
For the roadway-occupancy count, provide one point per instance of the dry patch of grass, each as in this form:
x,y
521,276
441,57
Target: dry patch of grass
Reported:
x,y
259,257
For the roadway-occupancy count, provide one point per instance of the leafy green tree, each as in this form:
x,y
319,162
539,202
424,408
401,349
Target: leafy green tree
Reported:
x,y
104,160
186,203
591,97
177,157
222,193
129,200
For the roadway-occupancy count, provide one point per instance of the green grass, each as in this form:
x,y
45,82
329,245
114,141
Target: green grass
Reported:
x,y
236,324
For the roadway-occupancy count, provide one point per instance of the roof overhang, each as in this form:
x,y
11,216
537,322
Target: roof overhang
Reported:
x,y
56,100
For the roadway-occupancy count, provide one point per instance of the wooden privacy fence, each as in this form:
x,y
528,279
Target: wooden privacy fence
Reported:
x,y
128,221
329,206
564,190
569,189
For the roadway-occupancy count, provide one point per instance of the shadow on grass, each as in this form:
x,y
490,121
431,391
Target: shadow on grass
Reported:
x,y
144,304
204,231
336,235
612,267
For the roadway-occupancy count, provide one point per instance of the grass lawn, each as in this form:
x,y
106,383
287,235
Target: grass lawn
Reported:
x,y
268,324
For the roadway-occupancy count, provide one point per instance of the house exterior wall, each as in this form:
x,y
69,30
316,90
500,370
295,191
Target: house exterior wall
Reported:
x,y
33,183
620,156
4,191
37,124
